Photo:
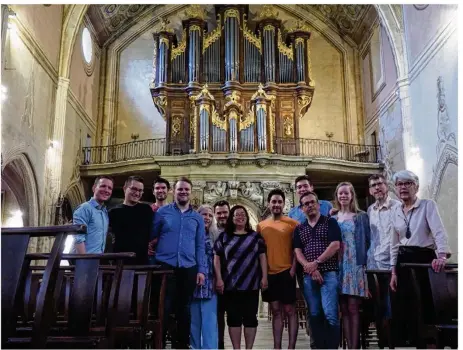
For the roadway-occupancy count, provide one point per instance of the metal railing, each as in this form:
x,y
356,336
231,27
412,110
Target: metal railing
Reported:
x,y
145,149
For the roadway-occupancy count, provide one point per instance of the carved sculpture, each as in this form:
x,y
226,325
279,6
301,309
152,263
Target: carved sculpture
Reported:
x,y
233,186
444,134
215,191
253,192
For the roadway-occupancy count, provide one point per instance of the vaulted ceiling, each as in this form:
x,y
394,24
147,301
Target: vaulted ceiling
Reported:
x,y
351,21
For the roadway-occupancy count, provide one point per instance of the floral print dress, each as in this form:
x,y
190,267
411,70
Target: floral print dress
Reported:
x,y
352,277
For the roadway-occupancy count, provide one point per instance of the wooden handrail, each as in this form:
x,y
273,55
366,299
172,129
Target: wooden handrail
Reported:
x,y
41,256
447,266
44,231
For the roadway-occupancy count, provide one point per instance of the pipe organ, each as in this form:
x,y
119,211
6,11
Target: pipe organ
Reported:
x,y
229,85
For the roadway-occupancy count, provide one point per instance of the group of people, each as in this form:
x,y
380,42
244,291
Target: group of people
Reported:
x,y
221,262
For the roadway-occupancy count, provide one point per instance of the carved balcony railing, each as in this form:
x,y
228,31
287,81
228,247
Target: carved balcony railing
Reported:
x,y
146,149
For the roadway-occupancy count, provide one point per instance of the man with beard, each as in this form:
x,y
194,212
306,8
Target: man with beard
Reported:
x,y
94,215
316,245
381,217
221,213
160,189
181,232
277,232
304,185
131,222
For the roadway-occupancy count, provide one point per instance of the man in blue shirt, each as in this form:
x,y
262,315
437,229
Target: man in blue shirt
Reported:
x,y
180,232
94,215
304,185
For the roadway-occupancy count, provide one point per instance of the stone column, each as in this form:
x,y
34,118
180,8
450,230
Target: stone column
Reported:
x,y
53,162
407,125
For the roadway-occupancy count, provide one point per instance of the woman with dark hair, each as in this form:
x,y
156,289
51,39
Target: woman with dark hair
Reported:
x,y
241,251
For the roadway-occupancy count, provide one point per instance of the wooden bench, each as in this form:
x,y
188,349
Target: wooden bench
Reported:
x,y
15,268
444,291
77,329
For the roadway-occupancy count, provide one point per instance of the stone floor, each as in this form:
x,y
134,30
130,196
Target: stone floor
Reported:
x,y
264,337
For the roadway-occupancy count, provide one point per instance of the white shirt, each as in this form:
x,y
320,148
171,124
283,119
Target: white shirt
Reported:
x,y
426,228
382,230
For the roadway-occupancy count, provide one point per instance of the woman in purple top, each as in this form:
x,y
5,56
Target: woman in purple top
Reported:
x,y
203,329
241,268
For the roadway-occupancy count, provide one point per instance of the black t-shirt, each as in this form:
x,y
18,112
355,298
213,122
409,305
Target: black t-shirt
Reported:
x,y
131,227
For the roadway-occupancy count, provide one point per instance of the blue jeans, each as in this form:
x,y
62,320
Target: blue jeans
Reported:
x,y
204,324
322,300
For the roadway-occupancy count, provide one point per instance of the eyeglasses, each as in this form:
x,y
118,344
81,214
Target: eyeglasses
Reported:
x,y
406,184
308,204
134,189
376,184
239,215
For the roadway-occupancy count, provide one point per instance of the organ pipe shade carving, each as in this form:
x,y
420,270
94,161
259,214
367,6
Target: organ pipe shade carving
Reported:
x,y
213,76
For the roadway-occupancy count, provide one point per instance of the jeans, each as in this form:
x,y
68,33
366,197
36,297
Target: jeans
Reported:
x,y
204,330
322,300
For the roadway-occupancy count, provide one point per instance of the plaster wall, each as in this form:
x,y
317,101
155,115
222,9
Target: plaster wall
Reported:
x,y
326,114
45,25
28,107
372,105
421,26
135,109
85,87
76,132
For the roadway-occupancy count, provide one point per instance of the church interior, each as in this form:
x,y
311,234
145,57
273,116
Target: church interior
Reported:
x,y
241,99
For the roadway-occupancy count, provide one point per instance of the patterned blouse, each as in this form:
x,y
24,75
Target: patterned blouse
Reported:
x,y
207,290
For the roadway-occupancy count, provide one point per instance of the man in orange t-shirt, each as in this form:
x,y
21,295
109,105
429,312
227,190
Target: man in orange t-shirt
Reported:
x,y
277,232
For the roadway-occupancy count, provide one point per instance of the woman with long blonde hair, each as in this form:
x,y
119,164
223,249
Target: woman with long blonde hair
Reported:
x,y
355,230
204,328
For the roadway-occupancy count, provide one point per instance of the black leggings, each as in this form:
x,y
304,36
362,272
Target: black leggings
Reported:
x,y
242,307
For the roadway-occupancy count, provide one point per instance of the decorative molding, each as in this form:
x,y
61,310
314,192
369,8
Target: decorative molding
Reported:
x,y
374,88
432,48
36,51
80,110
449,155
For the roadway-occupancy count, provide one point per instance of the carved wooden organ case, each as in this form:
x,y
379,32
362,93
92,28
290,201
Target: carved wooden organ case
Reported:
x,y
232,89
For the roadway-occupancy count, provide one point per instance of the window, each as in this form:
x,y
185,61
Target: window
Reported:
x,y
88,51
87,46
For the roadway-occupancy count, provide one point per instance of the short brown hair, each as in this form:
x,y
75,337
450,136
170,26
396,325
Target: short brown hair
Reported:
x,y
133,178
184,179
99,177
376,177
161,180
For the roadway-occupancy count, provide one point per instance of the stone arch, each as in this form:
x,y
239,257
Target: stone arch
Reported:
x,y
255,212
75,194
18,173
395,33
72,21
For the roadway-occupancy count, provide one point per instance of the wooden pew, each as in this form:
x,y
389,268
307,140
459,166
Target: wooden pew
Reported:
x,y
15,266
444,292
78,331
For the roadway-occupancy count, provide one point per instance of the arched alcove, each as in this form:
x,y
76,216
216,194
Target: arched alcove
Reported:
x,y
19,186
